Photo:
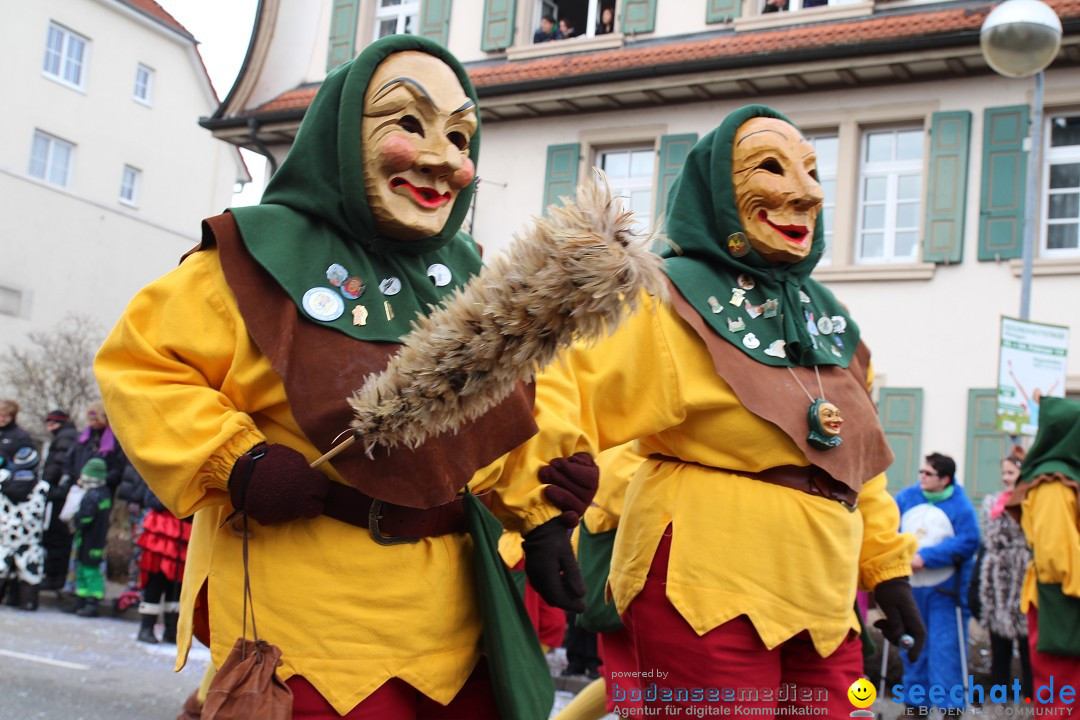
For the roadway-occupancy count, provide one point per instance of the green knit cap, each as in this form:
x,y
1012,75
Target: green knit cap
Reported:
x,y
94,468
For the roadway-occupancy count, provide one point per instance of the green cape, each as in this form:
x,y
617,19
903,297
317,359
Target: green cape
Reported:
x,y
1057,443
701,215
314,212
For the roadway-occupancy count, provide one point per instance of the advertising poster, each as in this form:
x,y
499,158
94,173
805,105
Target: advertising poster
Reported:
x,y
1031,366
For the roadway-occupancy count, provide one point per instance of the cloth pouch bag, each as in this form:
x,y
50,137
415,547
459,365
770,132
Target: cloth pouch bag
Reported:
x,y
520,677
594,557
1059,621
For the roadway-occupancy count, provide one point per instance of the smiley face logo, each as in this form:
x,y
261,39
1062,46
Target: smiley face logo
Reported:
x,y
862,693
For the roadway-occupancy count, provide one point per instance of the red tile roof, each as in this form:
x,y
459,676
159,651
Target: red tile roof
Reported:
x,y
893,27
154,10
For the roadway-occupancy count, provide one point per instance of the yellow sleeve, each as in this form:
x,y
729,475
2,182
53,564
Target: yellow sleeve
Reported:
x,y
617,466
1049,519
169,379
885,553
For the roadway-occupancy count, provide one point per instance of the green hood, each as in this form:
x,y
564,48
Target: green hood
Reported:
x,y
701,216
1057,443
314,212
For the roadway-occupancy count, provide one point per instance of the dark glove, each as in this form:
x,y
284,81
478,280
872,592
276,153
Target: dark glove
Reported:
x,y
274,484
902,617
571,483
551,567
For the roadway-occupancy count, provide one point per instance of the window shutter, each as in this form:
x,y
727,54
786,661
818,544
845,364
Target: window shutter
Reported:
x,y
435,20
498,24
342,44
722,11
901,419
638,16
560,177
1001,219
673,150
986,445
946,193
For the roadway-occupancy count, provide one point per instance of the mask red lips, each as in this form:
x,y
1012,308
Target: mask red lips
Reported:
x,y
797,234
424,196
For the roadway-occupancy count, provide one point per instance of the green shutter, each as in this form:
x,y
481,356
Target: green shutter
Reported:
x,y
946,194
638,16
986,445
498,24
1001,219
435,20
901,419
673,150
560,177
342,44
722,11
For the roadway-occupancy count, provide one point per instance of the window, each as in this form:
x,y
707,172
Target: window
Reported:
x,y
396,17
630,174
65,56
827,148
771,6
890,190
51,158
129,186
1063,191
584,18
144,83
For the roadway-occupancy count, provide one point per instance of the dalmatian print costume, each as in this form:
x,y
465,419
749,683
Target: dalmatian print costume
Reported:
x,y
22,524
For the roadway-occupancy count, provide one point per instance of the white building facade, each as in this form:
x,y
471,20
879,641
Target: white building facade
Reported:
x,y
921,151
104,170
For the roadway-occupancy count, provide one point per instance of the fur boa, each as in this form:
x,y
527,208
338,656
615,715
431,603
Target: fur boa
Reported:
x,y
1001,574
571,278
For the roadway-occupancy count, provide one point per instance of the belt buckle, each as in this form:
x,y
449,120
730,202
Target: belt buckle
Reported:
x,y
373,527
851,507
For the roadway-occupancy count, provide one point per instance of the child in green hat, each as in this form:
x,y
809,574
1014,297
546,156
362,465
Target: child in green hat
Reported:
x,y
91,531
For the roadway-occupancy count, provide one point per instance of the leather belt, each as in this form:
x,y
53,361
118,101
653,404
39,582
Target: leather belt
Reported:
x,y
809,479
391,524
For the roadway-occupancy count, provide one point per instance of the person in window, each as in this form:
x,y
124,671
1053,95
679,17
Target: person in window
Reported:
x,y
772,6
814,3
547,31
566,29
606,23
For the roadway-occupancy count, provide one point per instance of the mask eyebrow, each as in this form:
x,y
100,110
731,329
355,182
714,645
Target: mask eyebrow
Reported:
x,y
468,105
409,83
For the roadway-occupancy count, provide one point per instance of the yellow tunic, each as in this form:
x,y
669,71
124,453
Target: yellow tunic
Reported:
x,y
188,392
788,560
1049,519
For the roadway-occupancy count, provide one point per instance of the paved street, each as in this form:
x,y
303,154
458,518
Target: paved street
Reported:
x,y
55,666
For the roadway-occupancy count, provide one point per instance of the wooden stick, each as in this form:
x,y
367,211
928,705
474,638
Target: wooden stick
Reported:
x,y
334,451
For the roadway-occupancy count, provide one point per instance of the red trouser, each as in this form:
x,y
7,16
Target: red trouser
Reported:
x,y
1064,669
397,700
729,661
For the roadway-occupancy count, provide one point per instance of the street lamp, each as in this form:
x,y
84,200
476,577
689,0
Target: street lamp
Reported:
x,y
1019,38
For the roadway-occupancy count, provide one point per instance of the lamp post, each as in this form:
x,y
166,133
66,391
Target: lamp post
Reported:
x,y
1019,38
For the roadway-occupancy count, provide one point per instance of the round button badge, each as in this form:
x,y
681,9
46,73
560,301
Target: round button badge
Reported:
x,y
323,304
440,275
390,286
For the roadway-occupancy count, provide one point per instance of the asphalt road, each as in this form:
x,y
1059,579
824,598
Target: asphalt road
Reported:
x,y
55,666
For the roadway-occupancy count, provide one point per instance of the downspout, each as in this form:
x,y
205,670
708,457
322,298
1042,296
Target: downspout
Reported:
x,y
260,146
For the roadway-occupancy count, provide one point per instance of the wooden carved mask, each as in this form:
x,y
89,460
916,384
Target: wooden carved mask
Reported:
x,y
416,130
776,189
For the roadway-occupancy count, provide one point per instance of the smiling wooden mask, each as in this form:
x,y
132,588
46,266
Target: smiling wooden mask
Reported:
x,y
416,130
776,189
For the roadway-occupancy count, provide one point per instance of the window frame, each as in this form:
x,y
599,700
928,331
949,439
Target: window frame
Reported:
x,y
827,173
135,186
381,14
1052,156
147,97
62,56
634,183
892,170
47,163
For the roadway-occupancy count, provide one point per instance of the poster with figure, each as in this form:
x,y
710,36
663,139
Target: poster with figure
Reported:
x,y
1031,366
